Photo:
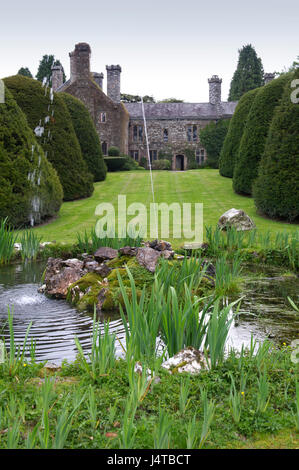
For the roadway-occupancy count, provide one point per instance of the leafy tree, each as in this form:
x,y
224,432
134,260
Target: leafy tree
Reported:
x,y
45,68
126,98
212,137
276,189
248,75
255,133
234,134
25,72
30,190
58,139
171,100
87,136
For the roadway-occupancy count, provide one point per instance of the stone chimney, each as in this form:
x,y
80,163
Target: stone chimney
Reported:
x,y
113,82
98,78
57,77
80,62
268,77
215,90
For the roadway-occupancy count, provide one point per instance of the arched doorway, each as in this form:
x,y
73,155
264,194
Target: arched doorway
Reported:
x,y
179,162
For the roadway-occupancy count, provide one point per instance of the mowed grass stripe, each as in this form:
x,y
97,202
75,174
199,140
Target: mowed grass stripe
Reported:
x,y
206,186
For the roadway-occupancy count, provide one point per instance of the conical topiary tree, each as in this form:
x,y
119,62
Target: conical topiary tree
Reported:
x,y
276,189
248,75
58,139
255,133
87,136
30,190
233,137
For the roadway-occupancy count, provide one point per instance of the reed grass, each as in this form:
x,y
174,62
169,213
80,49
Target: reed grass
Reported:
x,y
29,245
102,356
89,242
7,241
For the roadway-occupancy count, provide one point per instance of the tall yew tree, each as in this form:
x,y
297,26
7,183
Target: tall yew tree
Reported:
x,y
45,68
248,75
276,189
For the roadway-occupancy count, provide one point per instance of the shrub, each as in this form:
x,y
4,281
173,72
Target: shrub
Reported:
x,y
276,189
59,140
87,136
130,164
30,189
234,134
115,163
161,165
255,133
113,152
212,137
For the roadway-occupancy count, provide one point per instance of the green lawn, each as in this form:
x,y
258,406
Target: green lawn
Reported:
x,y
206,186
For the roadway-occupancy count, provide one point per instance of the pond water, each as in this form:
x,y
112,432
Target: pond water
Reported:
x,y
265,312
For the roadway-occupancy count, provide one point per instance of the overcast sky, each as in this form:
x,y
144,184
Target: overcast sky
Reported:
x,y
166,48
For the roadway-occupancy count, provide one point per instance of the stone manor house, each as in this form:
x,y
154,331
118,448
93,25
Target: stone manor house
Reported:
x,y
173,128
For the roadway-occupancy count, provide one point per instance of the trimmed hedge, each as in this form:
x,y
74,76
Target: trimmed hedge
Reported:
x,y
162,164
113,152
276,189
87,136
115,163
255,133
235,131
30,190
62,147
212,138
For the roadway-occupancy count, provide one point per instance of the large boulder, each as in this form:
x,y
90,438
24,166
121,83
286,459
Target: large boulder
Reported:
x,y
236,218
189,360
59,275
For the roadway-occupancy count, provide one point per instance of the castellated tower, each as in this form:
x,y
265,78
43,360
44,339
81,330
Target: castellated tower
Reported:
x,y
80,62
98,78
57,77
215,89
113,82
268,77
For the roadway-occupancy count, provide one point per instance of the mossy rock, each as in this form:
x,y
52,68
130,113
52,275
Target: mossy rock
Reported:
x,y
90,286
118,262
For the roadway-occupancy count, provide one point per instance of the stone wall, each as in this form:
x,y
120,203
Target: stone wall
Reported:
x,y
177,133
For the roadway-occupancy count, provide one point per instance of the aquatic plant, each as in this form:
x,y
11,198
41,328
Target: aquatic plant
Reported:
x,y
89,242
190,273
14,360
217,331
102,356
227,274
29,245
7,241
209,408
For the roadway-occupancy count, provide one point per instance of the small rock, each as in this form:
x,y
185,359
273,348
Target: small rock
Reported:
x,y
148,258
18,246
44,244
188,360
128,251
167,254
105,253
103,270
101,298
90,265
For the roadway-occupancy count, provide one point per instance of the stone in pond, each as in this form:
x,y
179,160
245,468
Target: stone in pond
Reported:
x,y
236,218
60,275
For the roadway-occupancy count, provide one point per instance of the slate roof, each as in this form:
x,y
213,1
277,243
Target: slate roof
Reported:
x,y
180,110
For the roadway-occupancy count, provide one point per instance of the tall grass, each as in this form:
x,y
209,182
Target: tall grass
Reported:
x,y
16,356
218,328
30,245
102,356
227,275
143,320
190,273
7,241
89,242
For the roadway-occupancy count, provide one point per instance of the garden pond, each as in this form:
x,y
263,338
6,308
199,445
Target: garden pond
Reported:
x,y
265,312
